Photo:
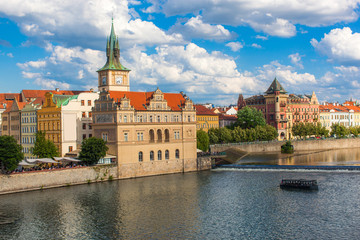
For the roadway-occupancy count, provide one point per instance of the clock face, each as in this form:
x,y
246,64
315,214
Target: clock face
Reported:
x,y
118,80
104,80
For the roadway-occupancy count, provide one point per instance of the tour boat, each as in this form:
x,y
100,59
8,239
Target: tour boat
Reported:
x,y
299,184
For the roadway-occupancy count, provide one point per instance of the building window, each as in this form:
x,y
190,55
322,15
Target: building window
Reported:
x,y
166,118
84,136
159,155
151,155
167,154
105,137
70,148
125,118
158,118
84,126
152,135
140,156
90,114
189,118
151,119
89,102
90,127
177,134
140,136
177,154
82,102
167,135
126,137
83,114
159,135
90,135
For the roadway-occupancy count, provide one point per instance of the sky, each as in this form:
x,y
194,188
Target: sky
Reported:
x,y
212,50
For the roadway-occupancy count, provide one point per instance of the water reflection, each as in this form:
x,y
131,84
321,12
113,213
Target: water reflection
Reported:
x,y
346,157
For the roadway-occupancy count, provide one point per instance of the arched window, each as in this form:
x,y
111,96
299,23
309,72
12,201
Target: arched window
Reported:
x,y
151,119
159,155
151,155
158,118
177,153
140,156
159,135
166,154
167,135
152,135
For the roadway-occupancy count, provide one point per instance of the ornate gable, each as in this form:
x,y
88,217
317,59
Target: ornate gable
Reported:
x,y
158,102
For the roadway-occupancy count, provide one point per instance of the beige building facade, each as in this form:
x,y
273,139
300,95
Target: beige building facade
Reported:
x,y
150,133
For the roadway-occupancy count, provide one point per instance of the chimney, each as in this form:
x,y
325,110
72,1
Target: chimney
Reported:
x,y
57,89
91,90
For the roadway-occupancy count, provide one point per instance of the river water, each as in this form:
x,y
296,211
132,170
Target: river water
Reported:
x,y
222,204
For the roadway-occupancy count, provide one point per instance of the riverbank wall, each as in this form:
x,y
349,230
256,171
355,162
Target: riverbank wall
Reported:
x,y
38,180
300,145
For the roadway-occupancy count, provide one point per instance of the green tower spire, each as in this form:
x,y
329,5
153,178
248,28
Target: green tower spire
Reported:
x,y
113,53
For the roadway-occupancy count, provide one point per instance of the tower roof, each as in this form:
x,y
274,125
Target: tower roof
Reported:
x,y
275,86
113,53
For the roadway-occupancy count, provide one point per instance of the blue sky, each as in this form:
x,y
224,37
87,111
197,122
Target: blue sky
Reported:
x,y
211,50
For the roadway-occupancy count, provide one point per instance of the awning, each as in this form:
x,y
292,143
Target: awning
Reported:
x,y
66,159
41,160
25,163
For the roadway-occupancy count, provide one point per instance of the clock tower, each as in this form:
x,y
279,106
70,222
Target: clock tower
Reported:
x,y
113,76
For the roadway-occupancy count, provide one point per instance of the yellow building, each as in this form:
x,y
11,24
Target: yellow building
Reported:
x,y
205,118
49,120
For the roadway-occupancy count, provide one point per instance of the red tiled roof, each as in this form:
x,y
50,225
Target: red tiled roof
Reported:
x,y
8,106
227,117
141,99
201,110
6,97
31,94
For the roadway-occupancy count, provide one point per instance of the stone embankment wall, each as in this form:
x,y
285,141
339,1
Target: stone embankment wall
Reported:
x,y
36,180
301,145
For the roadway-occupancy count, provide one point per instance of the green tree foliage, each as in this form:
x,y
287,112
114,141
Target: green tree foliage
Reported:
x,y
213,136
308,129
224,135
339,131
249,117
10,153
202,140
44,148
354,130
92,149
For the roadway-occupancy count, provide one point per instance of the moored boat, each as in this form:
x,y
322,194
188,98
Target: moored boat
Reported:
x,y
299,184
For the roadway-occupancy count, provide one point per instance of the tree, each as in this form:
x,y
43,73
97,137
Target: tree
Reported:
x,y
44,148
339,130
92,149
249,117
213,135
10,153
202,140
224,135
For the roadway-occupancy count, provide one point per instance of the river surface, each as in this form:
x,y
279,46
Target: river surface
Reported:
x,y
222,204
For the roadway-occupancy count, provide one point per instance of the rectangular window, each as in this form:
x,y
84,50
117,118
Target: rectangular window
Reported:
x,y
90,114
89,102
82,102
90,127
84,136
84,126
83,114
70,148
90,135
126,137
105,137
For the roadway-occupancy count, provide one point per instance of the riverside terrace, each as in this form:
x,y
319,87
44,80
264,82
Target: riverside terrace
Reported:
x,y
41,164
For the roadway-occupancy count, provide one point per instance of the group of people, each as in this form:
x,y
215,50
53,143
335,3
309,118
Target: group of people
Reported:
x,y
48,166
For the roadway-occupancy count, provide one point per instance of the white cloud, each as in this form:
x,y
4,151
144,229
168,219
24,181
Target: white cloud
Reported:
x,y
296,60
86,22
30,74
254,45
235,46
51,84
196,28
340,45
274,26
10,55
261,37
32,64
